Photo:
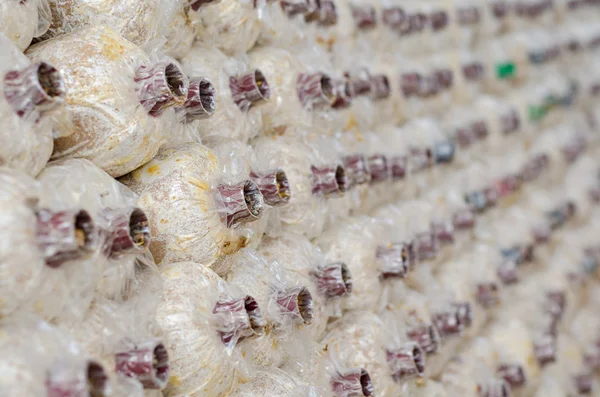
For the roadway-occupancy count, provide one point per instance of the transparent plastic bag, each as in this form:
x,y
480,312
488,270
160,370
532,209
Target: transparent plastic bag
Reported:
x,y
41,360
230,25
299,86
515,351
125,336
361,340
138,23
472,372
194,212
330,282
50,256
31,103
240,91
287,303
203,320
21,22
124,226
277,383
313,177
119,99
356,242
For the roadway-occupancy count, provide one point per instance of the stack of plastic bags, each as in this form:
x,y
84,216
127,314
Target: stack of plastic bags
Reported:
x,y
299,198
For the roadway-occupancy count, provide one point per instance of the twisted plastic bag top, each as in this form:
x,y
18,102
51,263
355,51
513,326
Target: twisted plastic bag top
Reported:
x,y
287,303
21,22
203,319
31,102
40,359
277,383
124,227
240,91
119,98
340,244
55,274
312,178
201,218
230,25
136,23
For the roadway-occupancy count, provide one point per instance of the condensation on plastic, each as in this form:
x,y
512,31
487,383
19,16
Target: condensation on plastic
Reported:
x,y
361,340
22,21
355,243
193,214
119,97
330,282
31,102
230,25
138,23
313,177
203,319
277,383
240,91
39,359
287,305
124,227
49,265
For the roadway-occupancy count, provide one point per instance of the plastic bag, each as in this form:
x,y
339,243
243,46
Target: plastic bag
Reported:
x,y
31,103
124,226
125,336
194,212
42,360
51,256
240,92
330,282
288,307
361,340
21,22
119,98
203,320
277,383
299,87
138,23
230,25
357,242
313,177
